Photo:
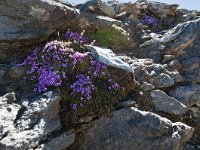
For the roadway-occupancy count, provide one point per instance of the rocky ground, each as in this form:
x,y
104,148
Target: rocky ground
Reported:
x,y
159,67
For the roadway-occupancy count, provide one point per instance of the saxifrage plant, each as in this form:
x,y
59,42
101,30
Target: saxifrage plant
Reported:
x,y
67,66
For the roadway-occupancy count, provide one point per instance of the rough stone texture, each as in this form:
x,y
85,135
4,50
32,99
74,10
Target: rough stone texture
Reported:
x,y
107,56
167,104
162,10
182,42
16,72
92,22
8,114
21,21
147,86
132,11
188,94
168,58
144,69
132,128
99,7
156,74
162,80
128,103
26,22
58,143
121,71
29,125
2,73
3,57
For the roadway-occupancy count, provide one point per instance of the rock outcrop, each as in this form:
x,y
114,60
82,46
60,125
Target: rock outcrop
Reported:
x,y
28,125
134,129
23,22
159,69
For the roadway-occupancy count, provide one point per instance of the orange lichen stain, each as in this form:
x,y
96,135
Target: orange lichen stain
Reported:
x,y
180,49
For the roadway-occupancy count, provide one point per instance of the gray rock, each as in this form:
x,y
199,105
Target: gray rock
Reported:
x,y
163,10
10,98
130,11
191,65
8,115
92,22
128,103
58,143
162,80
187,15
107,56
175,65
98,7
176,76
168,58
183,42
151,73
131,128
3,57
167,104
151,49
156,74
188,94
16,72
2,73
35,122
86,119
188,147
147,86
22,21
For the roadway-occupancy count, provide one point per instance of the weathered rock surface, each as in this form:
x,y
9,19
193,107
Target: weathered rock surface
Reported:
x,y
167,104
132,128
185,48
16,73
60,142
107,56
24,127
35,124
121,70
162,80
144,70
99,7
132,11
162,10
188,94
8,114
24,21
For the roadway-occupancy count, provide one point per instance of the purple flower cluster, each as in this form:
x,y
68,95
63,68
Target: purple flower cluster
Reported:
x,y
150,21
113,84
46,65
82,87
97,68
77,57
75,37
46,79
57,64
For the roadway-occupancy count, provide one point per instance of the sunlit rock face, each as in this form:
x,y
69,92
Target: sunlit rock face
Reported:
x,y
156,59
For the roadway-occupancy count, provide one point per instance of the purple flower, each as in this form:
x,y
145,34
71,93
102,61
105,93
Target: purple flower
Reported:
x,y
73,36
97,68
103,73
150,21
47,78
57,64
77,57
73,106
83,86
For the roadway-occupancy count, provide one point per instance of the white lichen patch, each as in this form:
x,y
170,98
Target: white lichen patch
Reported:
x,y
39,13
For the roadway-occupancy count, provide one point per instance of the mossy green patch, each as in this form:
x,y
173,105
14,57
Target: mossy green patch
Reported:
x,y
110,36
